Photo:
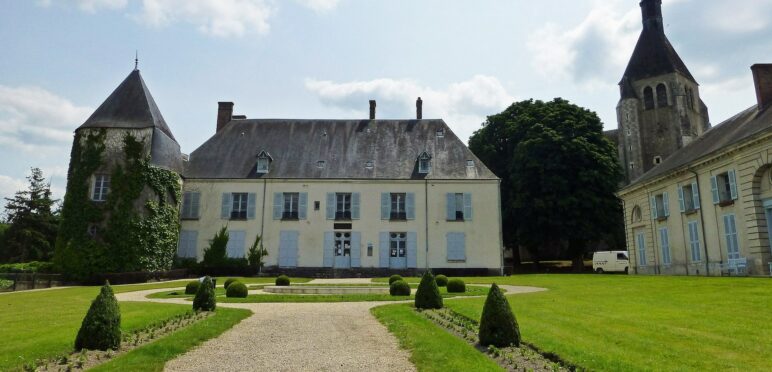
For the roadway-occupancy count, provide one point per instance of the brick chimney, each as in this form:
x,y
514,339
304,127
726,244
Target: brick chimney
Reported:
x,y
762,79
224,114
419,109
372,109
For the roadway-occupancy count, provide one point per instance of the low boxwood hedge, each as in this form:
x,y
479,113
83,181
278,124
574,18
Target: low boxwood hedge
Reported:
x,y
236,289
441,280
456,286
283,280
192,287
394,278
399,288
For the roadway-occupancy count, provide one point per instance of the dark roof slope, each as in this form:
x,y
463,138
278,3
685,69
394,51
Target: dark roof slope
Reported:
x,y
736,129
129,106
653,56
346,147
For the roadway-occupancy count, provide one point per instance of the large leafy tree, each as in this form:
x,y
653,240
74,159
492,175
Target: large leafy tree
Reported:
x,y
33,222
559,175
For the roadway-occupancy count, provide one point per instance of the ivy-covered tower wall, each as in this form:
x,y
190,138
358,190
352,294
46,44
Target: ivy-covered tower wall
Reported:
x,y
120,210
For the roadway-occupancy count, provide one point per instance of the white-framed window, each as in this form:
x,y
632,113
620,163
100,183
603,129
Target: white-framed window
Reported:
x,y
239,206
730,234
397,244
664,242
689,197
459,206
724,187
101,187
424,163
694,241
290,211
191,202
660,206
398,211
263,162
342,206
640,242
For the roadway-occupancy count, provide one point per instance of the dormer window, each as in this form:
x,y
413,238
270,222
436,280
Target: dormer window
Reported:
x,y
263,162
424,163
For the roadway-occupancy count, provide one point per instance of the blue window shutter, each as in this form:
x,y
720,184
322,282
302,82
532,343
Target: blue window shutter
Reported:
x,y
666,204
412,250
385,205
355,206
732,184
330,205
653,207
288,248
681,203
293,248
714,189
192,245
456,246
696,195
225,212
251,200
450,206
329,243
410,206
302,205
383,249
356,249
235,248
467,206
462,246
278,205
196,204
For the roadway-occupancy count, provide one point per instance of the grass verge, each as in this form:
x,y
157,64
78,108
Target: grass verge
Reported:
x,y
431,348
153,356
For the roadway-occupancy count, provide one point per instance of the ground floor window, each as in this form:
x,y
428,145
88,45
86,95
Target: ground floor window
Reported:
x,y
664,241
640,240
730,233
397,243
694,241
342,244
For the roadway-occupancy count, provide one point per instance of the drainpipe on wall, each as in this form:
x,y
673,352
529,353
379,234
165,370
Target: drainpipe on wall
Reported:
x,y
632,234
501,230
702,221
426,222
262,219
653,229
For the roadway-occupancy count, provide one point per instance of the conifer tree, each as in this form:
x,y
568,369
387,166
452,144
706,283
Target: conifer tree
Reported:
x,y
101,328
498,326
33,223
428,294
205,299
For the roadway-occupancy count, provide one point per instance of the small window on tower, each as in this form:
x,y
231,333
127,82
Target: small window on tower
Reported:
x,y
632,165
648,98
657,160
662,100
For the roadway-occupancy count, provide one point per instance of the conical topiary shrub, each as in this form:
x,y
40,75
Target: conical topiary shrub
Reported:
x,y
428,294
498,326
205,300
101,328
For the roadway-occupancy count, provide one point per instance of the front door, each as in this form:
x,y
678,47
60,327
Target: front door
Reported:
x,y
397,250
342,249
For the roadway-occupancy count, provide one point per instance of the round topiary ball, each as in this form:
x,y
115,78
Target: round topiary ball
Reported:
x,y
456,286
236,289
192,287
394,278
399,288
442,280
283,281
228,282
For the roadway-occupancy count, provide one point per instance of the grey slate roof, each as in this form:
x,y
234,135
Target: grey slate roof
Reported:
x,y
653,56
736,129
129,106
345,146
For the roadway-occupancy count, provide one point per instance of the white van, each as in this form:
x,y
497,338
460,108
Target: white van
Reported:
x,y
610,261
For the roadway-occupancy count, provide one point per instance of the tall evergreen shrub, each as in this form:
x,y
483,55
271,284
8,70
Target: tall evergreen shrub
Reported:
x,y
205,299
101,328
428,294
498,326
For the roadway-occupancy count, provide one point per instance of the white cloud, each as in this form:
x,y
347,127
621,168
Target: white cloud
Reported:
x,y
220,18
92,6
8,188
463,105
320,6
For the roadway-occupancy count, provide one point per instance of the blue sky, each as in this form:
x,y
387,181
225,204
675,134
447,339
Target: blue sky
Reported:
x,y
326,58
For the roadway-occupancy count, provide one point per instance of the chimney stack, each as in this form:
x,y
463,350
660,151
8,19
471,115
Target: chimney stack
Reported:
x,y
224,114
652,14
419,109
762,79
372,109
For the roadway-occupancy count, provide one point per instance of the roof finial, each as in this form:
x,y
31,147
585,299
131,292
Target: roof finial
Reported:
x,y
136,60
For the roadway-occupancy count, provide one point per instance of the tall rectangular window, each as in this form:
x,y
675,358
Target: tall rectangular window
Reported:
x,y
640,240
101,187
398,243
459,204
342,206
190,205
730,233
664,241
694,241
398,211
239,206
291,200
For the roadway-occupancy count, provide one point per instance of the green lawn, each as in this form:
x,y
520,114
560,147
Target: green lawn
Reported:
x,y
617,322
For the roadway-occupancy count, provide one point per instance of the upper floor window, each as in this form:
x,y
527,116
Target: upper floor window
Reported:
x,y
101,187
648,98
291,200
724,187
459,206
239,206
660,208
662,100
342,206
263,162
689,98
290,205
636,217
191,202
424,162
398,207
689,197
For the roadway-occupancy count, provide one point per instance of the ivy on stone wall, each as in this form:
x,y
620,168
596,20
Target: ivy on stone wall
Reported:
x,y
138,225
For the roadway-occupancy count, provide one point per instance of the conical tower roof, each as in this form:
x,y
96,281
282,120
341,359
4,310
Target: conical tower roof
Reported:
x,y
129,106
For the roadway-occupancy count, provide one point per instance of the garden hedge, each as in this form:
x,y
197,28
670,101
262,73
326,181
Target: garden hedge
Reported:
x,y
394,278
205,299
282,280
498,326
101,328
236,289
456,286
192,287
399,288
428,294
442,280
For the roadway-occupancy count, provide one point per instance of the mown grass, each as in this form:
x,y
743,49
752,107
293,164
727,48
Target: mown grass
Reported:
x,y
617,322
431,348
153,356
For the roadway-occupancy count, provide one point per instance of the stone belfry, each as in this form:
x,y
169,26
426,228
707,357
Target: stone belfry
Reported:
x,y
660,109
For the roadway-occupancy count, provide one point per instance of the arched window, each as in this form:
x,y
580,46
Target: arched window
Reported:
x,y
662,95
636,217
690,98
648,98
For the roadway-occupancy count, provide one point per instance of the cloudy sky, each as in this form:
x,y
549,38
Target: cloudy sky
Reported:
x,y
325,58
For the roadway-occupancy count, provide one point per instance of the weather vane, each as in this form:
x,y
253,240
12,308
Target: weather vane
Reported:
x,y
136,59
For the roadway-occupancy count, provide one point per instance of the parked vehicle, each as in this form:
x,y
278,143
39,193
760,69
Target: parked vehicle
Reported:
x,y
610,261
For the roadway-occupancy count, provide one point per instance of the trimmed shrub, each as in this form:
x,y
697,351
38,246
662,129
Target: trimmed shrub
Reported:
x,y
399,288
205,299
394,278
442,280
428,294
236,289
283,281
498,326
456,286
192,287
228,282
101,328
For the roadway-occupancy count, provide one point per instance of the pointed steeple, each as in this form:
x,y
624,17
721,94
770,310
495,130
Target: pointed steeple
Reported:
x,y
129,106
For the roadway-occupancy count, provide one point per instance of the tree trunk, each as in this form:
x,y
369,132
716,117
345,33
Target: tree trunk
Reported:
x,y
577,248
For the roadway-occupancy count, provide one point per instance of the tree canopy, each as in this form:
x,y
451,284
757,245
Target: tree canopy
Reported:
x,y
559,174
